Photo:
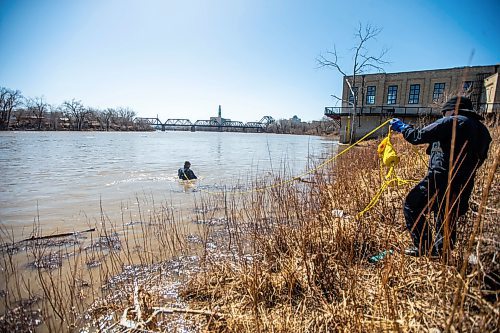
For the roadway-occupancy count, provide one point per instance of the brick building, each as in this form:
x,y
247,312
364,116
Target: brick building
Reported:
x,y
412,95
425,88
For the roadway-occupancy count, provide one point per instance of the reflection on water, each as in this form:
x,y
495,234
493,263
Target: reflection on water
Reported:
x,y
64,178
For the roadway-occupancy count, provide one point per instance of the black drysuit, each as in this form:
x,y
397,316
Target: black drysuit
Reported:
x,y
471,148
186,174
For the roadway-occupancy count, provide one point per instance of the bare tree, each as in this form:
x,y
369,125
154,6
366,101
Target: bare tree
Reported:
x,y
55,117
105,117
39,107
363,62
9,100
19,114
125,115
76,112
93,117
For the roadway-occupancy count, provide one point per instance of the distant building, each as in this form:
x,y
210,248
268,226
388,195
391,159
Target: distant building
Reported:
x,y
219,119
295,120
412,95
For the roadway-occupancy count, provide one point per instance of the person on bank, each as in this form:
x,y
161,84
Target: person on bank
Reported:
x,y
186,173
447,200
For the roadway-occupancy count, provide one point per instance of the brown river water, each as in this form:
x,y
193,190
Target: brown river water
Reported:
x,y
64,181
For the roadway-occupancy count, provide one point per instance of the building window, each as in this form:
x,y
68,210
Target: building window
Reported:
x,y
392,94
467,87
351,98
370,94
438,91
414,96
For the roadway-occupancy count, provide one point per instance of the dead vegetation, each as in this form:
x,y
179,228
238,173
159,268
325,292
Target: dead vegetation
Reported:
x,y
309,267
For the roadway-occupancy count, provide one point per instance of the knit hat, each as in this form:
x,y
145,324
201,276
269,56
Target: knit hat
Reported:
x,y
463,103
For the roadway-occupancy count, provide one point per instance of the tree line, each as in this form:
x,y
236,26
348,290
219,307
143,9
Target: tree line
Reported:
x,y
18,112
323,127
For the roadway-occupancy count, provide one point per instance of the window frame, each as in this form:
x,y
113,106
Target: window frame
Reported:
x,y
351,98
414,94
438,91
392,94
370,98
467,86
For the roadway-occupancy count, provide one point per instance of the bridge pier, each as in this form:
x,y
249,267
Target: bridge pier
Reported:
x,y
364,124
368,118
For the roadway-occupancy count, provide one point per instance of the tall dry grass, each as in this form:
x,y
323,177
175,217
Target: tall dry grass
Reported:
x,y
305,267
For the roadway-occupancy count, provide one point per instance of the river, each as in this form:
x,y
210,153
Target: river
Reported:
x,y
66,181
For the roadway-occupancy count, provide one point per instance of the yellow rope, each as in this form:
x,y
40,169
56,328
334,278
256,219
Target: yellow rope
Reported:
x,y
310,171
390,159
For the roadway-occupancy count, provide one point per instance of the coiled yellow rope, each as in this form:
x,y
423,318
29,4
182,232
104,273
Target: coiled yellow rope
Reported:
x,y
389,158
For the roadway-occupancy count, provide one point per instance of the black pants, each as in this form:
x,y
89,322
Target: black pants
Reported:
x,y
426,197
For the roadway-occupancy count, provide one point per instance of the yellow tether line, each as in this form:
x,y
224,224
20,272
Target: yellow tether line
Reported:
x,y
390,179
310,171
398,181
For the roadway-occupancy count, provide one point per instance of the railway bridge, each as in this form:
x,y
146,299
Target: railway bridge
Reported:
x,y
206,125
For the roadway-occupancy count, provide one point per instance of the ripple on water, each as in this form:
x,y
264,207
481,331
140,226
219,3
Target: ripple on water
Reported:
x,y
65,173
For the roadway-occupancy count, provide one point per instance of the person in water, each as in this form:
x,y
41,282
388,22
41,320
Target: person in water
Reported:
x,y
186,173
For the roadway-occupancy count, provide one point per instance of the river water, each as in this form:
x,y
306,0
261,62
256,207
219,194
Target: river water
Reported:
x,y
65,180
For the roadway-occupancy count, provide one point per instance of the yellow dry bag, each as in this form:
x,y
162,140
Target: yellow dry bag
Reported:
x,y
387,152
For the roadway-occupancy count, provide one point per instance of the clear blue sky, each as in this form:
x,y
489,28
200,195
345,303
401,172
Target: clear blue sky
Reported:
x,y
181,59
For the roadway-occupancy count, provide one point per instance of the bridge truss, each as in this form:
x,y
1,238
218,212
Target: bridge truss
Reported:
x,y
186,124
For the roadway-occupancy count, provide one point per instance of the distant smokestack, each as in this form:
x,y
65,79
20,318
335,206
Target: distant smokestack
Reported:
x,y
220,112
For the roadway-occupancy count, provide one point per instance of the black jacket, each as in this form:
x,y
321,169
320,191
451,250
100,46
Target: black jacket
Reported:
x,y
471,148
186,174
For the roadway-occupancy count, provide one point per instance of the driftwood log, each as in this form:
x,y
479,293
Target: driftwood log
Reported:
x,y
32,238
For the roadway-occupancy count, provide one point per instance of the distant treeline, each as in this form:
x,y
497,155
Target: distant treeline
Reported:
x,y
326,126
18,112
